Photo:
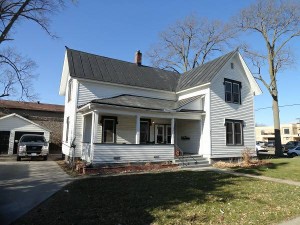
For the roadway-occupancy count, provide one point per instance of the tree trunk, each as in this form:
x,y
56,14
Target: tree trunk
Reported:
x,y
278,147
275,106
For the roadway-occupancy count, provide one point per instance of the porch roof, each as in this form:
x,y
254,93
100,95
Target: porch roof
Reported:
x,y
140,102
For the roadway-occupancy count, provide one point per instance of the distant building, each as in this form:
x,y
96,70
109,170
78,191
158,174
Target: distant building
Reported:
x,y
289,132
17,118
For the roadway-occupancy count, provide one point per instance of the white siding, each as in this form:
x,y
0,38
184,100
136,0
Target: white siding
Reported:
x,y
89,91
105,153
125,130
70,111
220,110
190,129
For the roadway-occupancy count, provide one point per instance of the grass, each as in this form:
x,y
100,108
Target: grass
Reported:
x,y
182,197
283,168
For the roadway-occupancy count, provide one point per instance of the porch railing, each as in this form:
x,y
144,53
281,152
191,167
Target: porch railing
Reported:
x,y
86,152
179,155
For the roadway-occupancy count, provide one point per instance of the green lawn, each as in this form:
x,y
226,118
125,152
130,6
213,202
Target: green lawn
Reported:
x,y
182,197
283,168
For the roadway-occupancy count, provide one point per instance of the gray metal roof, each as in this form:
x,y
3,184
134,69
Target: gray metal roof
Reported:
x,y
144,102
203,74
94,67
100,68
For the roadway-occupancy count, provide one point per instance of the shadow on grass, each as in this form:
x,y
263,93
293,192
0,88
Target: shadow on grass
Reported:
x,y
131,199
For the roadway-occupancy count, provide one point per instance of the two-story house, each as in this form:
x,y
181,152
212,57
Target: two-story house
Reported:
x,y
118,112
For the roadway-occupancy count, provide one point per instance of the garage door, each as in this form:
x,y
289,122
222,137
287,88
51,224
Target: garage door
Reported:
x,y
4,141
18,135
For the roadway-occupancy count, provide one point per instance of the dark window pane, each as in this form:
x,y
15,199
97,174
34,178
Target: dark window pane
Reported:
x,y
229,138
237,128
159,139
228,96
229,127
236,98
238,139
169,139
228,87
236,88
229,133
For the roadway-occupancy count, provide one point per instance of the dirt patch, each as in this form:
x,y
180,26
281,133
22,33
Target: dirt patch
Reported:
x,y
250,164
65,166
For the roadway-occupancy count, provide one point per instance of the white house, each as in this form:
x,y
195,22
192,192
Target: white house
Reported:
x,y
117,111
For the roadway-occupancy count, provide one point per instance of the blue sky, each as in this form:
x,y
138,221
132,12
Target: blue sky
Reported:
x,y
116,28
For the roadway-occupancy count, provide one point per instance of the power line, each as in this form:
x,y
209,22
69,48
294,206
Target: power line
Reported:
x,y
282,106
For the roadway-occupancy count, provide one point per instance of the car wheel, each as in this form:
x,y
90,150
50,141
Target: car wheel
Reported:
x,y
18,158
294,154
45,158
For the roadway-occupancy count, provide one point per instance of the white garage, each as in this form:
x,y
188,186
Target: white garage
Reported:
x,y
12,127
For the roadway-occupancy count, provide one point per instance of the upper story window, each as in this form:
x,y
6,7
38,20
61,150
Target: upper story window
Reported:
x,y
232,91
70,90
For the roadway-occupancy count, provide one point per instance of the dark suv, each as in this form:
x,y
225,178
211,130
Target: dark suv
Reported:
x,y
290,144
32,145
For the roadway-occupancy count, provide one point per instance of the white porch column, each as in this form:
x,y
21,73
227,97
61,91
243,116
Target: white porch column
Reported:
x,y
137,125
172,131
94,130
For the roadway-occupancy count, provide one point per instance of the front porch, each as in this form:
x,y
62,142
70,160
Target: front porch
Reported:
x,y
110,136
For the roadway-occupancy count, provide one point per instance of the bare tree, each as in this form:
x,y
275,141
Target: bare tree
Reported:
x,y
15,70
276,23
16,73
189,43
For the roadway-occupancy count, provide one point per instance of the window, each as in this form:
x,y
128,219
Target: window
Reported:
x,y
67,129
70,90
232,91
234,132
109,129
169,134
286,130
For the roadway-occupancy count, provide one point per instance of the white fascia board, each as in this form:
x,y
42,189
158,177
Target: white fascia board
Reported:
x,y
194,93
193,88
121,110
27,120
64,76
254,85
124,85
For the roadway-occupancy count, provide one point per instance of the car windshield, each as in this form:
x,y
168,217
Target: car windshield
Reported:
x,y
33,139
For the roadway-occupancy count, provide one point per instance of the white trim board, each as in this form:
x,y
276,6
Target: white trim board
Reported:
x,y
27,120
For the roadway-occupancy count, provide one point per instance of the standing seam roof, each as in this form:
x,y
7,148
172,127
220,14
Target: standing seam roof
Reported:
x,y
100,68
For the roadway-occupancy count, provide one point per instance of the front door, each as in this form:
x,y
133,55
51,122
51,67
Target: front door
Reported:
x,y
144,132
159,134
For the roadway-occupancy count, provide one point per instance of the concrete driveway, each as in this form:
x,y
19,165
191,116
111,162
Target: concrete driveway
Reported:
x,y
25,184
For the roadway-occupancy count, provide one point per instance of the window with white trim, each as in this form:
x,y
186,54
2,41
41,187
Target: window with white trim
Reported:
x,y
67,129
70,86
232,91
109,129
234,132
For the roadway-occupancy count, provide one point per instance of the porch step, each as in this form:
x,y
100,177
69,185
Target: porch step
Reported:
x,y
192,161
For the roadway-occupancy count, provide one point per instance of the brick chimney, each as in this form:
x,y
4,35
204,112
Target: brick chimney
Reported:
x,y
138,58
